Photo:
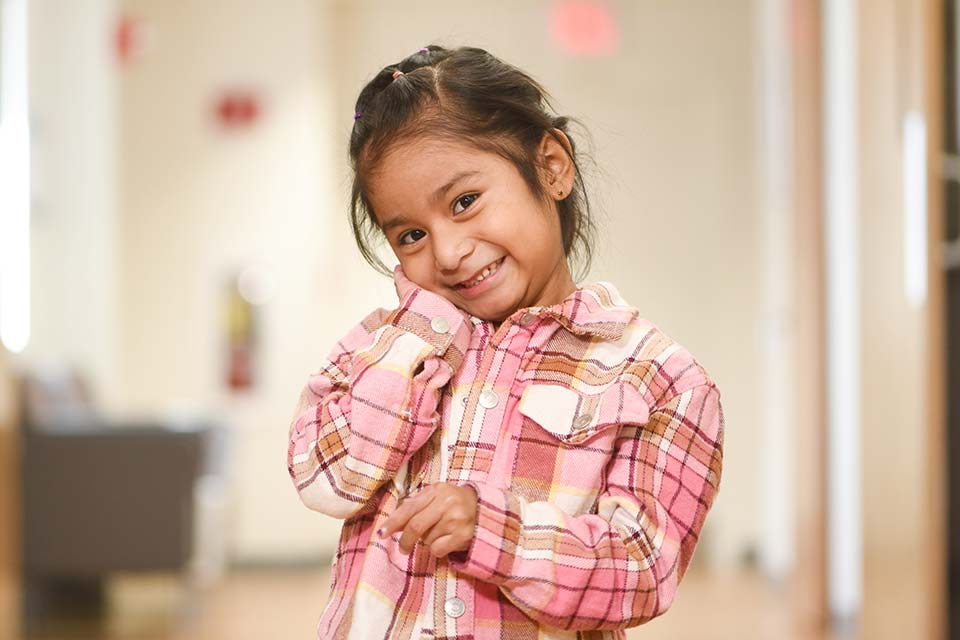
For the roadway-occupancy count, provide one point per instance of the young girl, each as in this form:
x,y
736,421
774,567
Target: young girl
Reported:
x,y
513,456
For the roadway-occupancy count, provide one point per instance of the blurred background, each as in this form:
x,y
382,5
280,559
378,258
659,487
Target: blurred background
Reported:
x,y
776,185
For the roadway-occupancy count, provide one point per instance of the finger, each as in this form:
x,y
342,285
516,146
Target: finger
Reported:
x,y
445,545
397,274
454,517
420,525
407,509
401,282
442,528
459,510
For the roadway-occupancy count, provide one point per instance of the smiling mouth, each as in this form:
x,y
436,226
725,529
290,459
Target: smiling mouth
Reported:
x,y
487,271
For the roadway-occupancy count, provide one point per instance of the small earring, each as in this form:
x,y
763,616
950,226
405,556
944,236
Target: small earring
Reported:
x,y
560,193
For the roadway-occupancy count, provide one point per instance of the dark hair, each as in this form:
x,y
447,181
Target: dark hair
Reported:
x,y
470,95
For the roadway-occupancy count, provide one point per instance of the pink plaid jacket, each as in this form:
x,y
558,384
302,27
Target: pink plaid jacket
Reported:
x,y
593,441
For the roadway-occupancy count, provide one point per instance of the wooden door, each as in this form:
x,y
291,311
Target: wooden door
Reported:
x,y
9,506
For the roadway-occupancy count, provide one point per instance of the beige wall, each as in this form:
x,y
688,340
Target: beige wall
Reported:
x,y
74,218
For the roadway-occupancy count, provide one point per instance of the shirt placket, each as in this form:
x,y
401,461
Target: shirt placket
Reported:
x,y
485,399
475,430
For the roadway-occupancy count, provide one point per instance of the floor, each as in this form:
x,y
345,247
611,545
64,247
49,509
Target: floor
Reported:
x,y
284,603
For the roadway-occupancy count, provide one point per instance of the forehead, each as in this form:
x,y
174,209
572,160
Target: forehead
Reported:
x,y
411,170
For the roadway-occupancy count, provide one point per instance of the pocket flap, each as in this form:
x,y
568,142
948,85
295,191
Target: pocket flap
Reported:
x,y
574,417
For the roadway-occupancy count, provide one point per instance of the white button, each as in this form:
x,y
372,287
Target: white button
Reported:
x,y
464,399
582,421
488,399
440,324
454,607
527,318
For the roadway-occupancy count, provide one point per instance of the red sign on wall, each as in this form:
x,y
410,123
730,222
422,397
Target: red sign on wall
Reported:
x,y
131,37
237,109
586,28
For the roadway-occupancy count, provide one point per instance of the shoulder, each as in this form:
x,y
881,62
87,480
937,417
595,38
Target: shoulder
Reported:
x,y
645,357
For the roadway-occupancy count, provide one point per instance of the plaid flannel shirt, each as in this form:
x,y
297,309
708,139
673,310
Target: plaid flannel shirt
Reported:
x,y
592,440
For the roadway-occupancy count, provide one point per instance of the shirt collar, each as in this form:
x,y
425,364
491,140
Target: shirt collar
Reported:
x,y
595,309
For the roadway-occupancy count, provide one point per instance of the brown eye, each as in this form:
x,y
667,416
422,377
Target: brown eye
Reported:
x,y
411,236
467,199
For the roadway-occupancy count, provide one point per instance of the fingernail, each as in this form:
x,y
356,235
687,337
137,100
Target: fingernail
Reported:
x,y
380,532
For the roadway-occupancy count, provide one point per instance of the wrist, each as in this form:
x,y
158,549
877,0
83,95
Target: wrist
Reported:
x,y
437,321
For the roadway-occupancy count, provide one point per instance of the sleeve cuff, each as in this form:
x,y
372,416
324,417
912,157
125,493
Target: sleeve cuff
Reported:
x,y
437,321
496,539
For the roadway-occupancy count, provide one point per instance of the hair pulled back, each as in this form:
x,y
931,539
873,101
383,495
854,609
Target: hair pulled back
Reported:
x,y
470,96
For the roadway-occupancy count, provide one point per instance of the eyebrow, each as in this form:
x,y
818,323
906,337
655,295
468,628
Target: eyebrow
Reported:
x,y
399,221
437,195
457,177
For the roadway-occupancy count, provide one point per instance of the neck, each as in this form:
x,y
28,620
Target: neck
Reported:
x,y
558,286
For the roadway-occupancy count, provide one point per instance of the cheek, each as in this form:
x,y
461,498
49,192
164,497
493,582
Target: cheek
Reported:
x,y
535,238
417,269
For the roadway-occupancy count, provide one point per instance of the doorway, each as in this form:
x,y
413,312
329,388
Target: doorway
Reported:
x,y
952,308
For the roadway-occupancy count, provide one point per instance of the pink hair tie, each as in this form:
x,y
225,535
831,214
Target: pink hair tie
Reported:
x,y
397,73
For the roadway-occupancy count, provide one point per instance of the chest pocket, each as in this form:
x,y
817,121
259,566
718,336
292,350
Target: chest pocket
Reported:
x,y
575,418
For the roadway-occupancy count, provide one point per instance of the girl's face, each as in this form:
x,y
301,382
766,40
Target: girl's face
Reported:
x,y
464,225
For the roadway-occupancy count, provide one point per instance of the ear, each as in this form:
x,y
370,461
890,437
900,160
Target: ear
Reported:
x,y
556,163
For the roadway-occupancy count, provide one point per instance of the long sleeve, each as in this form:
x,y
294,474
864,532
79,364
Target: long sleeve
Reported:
x,y
621,566
374,402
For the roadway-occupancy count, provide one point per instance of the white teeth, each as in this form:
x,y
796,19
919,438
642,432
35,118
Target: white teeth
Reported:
x,y
483,274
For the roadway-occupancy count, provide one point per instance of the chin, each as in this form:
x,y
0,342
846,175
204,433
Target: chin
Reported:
x,y
488,310
488,317
488,313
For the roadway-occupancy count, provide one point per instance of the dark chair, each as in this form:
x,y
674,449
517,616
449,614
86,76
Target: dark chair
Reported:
x,y
100,496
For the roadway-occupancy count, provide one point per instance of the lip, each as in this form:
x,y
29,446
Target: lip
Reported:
x,y
483,285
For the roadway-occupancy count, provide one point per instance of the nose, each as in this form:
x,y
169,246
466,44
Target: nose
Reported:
x,y
450,248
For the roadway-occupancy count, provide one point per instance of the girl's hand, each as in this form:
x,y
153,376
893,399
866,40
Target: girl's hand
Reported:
x,y
405,286
443,516
402,283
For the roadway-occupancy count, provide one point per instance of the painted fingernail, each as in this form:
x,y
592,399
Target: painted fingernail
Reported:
x,y
380,532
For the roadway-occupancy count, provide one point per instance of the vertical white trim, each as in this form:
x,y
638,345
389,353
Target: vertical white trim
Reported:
x,y
915,208
773,100
844,503
14,178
